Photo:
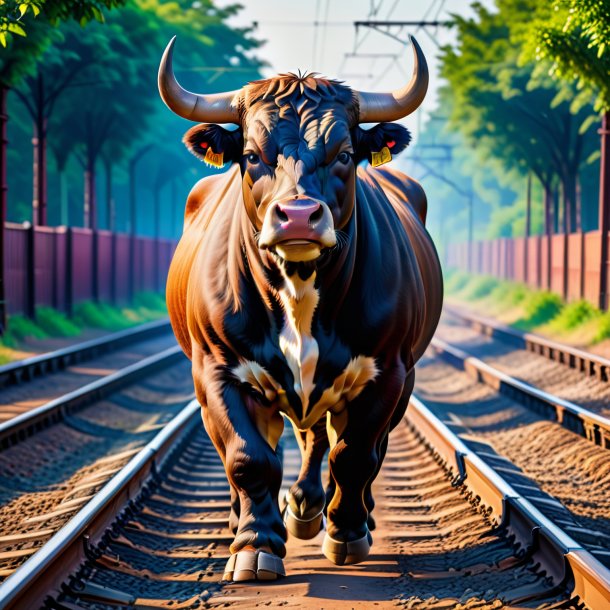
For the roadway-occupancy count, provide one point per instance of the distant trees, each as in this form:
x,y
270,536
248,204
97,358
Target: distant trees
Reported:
x,y
507,112
574,36
92,100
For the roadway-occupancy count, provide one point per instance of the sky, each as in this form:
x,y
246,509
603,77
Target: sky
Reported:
x,y
320,35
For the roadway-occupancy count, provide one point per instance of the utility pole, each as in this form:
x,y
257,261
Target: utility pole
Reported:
x,y
3,201
133,217
604,209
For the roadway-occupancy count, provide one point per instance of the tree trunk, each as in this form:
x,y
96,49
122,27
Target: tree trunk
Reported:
x,y
64,215
175,210
110,210
604,207
90,196
567,225
548,229
39,141
528,224
578,202
3,200
156,212
133,209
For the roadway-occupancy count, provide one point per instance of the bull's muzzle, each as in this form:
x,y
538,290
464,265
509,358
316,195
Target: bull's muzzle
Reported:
x,y
298,229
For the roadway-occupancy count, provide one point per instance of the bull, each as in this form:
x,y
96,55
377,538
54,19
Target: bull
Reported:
x,y
306,287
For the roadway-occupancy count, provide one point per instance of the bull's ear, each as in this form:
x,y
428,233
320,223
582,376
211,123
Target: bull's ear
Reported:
x,y
214,144
374,144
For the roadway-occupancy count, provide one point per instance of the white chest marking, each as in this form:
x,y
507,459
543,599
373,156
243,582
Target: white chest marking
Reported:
x,y
300,299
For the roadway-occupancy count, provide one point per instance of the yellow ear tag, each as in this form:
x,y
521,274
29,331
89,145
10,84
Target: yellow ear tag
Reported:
x,y
381,157
212,158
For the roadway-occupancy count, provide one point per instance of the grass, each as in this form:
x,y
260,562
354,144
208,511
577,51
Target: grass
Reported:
x,y
100,315
55,323
541,308
529,309
51,323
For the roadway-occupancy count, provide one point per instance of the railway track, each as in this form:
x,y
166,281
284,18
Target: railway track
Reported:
x,y
452,532
544,442
55,457
30,383
566,371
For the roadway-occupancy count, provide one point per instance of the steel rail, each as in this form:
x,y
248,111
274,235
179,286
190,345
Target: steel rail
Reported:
x,y
43,573
25,370
563,559
593,427
590,364
26,424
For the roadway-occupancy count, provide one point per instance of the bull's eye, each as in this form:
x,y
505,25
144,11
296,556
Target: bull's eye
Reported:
x,y
253,158
343,157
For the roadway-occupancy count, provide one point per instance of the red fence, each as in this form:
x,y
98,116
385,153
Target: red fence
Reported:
x,y
61,266
538,261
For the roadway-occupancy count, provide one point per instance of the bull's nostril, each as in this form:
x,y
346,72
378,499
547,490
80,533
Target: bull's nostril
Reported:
x,y
281,214
317,215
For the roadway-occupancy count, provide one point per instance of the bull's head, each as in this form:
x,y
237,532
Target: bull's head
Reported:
x,y
298,146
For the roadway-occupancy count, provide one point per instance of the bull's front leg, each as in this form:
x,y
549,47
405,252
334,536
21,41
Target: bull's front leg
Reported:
x,y
357,435
306,499
245,434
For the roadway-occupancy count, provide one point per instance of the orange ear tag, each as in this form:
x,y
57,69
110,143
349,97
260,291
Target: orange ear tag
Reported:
x,y
381,157
214,159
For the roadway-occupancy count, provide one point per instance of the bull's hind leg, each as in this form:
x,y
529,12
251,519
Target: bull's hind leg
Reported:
x,y
354,462
255,474
305,501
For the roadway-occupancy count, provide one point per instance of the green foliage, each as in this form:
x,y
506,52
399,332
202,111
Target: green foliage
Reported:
x,y
20,328
509,294
100,103
16,16
150,300
455,281
574,314
603,329
55,323
479,286
540,308
100,315
574,36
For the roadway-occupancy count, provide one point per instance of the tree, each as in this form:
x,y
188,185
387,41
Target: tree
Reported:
x,y
14,14
512,114
575,38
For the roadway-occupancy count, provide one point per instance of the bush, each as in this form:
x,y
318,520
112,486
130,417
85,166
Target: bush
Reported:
x,y
454,280
541,308
574,315
55,324
603,329
150,300
20,328
509,294
479,287
100,315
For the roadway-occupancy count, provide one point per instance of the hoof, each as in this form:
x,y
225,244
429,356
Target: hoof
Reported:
x,y
347,553
253,565
303,529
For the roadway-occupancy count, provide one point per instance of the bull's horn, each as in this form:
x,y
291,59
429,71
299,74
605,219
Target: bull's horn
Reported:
x,y
377,107
211,108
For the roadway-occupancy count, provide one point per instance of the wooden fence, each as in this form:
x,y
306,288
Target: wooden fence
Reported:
x,y
538,261
61,266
